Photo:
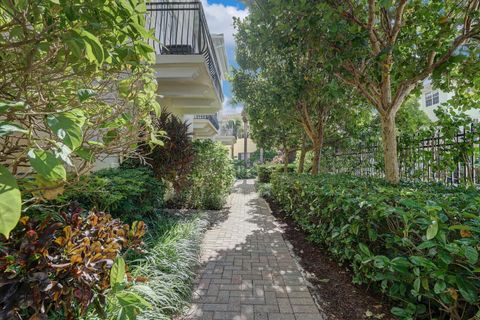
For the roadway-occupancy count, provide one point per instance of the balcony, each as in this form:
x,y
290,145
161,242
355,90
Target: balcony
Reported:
x,y
189,71
205,126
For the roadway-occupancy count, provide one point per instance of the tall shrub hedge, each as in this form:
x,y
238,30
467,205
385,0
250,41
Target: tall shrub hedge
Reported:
x,y
417,243
211,178
265,171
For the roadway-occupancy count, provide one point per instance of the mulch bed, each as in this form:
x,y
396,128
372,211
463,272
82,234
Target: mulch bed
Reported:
x,y
338,297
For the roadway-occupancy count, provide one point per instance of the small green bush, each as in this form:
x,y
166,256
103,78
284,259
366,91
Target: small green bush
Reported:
x,y
265,171
264,190
211,178
244,173
416,243
123,192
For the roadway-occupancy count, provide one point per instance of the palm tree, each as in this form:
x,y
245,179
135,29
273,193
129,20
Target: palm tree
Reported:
x,y
245,136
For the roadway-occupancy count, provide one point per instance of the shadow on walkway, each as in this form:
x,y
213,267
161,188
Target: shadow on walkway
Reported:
x,y
248,271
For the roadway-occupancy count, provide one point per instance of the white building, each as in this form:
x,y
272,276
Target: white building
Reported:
x,y
191,63
432,98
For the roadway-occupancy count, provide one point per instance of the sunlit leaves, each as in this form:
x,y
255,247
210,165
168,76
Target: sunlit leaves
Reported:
x,y
68,127
10,202
47,165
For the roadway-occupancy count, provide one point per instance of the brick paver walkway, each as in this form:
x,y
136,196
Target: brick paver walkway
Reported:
x,y
248,271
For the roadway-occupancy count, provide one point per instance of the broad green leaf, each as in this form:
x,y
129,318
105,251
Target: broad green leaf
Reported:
x,y
471,254
47,165
466,288
364,249
10,202
127,298
68,127
432,229
92,45
117,273
7,128
84,153
85,94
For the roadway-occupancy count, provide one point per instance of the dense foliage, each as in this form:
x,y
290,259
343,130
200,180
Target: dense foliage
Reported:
x,y
126,193
76,86
57,267
211,178
417,243
244,173
265,171
165,273
303,62
172,161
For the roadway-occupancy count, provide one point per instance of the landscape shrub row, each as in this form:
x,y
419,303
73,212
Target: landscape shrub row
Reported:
x,y
129,193
265,171
418,244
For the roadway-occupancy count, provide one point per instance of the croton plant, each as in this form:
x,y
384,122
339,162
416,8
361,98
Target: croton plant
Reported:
x,y
61,265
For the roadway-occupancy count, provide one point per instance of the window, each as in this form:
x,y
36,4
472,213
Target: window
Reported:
x,y
432,98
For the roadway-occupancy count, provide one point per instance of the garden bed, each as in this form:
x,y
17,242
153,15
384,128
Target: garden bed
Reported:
x,y
337,295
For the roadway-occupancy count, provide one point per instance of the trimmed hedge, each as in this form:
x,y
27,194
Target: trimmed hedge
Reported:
x,y
265,171
416,243
123,192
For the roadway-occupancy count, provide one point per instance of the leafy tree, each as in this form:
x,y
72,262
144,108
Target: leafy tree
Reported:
x,y
385,49
75,86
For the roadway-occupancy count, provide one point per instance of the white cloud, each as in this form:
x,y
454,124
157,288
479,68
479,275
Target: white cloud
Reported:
x,y
220,19
230,108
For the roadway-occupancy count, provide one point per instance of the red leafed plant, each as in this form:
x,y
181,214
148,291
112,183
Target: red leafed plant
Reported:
x,y
61,266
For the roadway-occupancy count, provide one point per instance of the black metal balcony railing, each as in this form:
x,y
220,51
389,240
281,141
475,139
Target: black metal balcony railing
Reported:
x,y
210,117
181,28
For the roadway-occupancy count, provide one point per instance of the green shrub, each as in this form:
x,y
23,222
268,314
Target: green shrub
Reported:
x,y
264,190
416,243
265,171
211,178
126,193
244,173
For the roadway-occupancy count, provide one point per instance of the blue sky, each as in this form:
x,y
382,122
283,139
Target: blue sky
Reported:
x,y
219,14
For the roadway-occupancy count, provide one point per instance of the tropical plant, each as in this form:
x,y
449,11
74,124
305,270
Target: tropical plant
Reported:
x,y
172,161
416,243
76,86
60,266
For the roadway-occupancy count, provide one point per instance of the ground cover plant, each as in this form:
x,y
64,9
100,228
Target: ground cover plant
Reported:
x,y
416,243
165,272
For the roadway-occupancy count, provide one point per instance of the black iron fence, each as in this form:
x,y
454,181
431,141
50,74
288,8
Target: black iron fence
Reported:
x,y
182,29
450,158
210,117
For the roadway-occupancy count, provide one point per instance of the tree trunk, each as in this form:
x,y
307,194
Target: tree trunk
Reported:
x,y
261,155
285,161
245,144
303,151
316,158
317,151
389,139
